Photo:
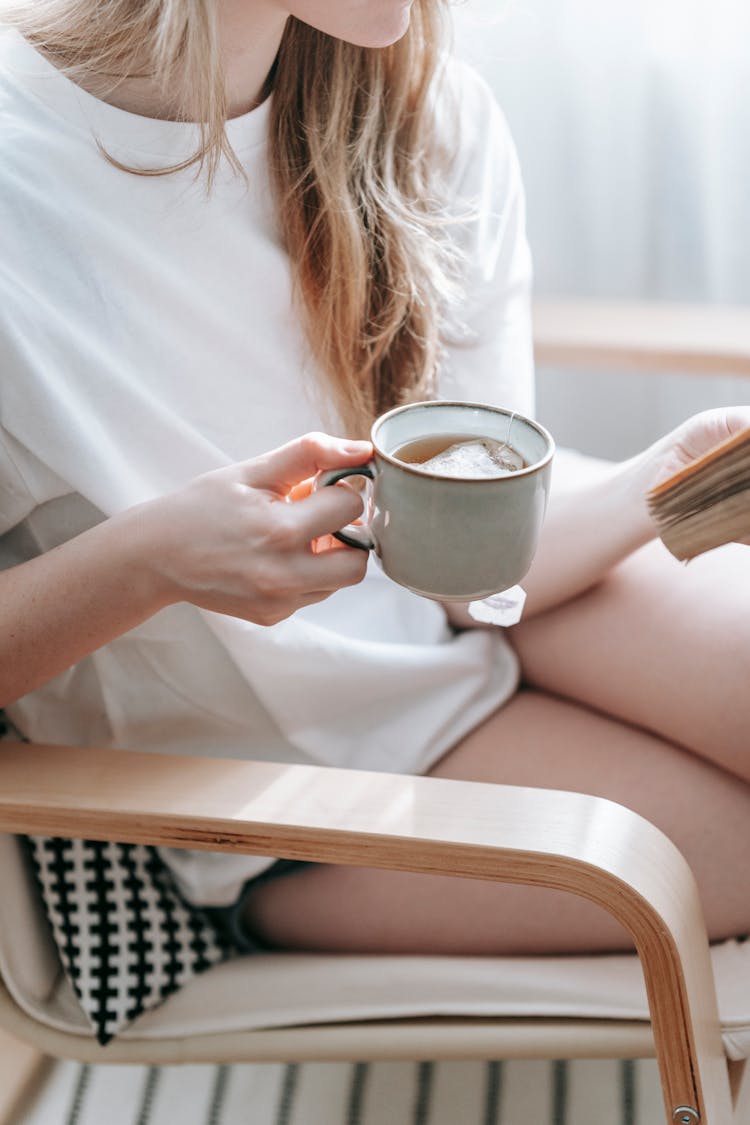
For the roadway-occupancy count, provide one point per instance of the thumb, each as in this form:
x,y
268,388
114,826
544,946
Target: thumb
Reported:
x,y
281,469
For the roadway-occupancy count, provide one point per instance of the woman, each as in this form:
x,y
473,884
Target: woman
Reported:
x,y
354,238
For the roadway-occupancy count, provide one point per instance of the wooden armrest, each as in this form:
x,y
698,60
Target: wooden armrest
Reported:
x,y
569,841
22,1068
642,336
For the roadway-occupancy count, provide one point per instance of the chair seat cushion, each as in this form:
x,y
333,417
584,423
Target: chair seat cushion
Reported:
x,y
287,989
271,990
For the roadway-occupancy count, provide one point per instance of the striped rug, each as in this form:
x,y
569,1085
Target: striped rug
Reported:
x,y
578,1092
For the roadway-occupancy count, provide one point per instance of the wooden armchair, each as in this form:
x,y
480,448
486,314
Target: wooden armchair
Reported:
x,y
582,844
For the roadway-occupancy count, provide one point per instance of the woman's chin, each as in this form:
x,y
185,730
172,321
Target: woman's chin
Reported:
x,y
363,23
390,28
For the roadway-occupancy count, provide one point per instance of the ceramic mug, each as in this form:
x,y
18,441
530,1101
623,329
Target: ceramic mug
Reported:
x,y
446,537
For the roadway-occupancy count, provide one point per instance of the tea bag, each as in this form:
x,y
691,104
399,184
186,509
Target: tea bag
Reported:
x,y
480,457
503,609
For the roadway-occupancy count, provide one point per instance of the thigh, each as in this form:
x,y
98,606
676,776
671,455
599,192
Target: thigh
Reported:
x,y
660,644
535,740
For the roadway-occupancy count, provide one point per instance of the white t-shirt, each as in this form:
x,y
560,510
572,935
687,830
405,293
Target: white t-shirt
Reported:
x,y
147,335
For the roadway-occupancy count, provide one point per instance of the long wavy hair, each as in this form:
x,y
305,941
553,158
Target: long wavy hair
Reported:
x,y
355,159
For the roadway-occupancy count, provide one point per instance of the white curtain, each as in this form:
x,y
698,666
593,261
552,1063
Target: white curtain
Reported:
x,y
632,120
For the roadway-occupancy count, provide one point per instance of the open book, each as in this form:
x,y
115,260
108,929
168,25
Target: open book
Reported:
x,y
707,503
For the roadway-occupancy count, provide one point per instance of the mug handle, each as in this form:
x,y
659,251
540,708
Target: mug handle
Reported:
x,y
352,535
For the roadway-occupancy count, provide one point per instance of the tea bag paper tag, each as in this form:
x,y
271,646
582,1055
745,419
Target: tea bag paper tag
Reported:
x,y
504,608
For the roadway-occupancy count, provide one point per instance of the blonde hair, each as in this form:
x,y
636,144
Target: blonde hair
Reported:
x,y
355,163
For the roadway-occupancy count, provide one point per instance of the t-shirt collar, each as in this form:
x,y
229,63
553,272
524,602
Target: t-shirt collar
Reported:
x,y
118,129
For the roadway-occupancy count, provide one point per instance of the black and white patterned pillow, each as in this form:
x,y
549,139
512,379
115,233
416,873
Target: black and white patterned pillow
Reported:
x,y
125,936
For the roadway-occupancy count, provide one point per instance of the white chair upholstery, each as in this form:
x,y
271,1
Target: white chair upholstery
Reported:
x,y
290,989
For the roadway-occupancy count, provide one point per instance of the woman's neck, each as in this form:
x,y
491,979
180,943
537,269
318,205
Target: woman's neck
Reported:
x,y
249,38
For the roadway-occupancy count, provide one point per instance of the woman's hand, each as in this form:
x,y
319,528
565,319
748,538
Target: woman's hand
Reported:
x,y
596,520
691,440
233,541
230,541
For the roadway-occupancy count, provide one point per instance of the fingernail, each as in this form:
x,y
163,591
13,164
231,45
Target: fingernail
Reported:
x,y
356,446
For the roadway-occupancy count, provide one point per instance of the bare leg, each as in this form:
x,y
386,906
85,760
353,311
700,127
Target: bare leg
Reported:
x,y
534,740
659,644
654,666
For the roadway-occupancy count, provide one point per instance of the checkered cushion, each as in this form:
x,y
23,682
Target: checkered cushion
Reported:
x,y
126,938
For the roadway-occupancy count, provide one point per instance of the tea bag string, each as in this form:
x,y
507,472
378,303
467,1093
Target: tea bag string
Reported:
x,y
507,444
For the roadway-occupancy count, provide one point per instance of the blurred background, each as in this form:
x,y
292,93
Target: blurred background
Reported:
x,y
632,122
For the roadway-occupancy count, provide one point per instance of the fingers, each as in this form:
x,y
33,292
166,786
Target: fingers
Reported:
x,y
311,579
710,428
330,570
324,512
259,560
301,490
738,419
327,543
281,469
275,613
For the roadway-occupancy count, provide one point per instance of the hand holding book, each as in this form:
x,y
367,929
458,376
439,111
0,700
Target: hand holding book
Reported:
x,y
704,502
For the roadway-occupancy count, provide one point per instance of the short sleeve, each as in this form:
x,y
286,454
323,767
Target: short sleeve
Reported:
x,y
26,480
16,499
487,336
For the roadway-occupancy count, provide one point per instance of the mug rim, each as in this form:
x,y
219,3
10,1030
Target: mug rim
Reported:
x,y
425,474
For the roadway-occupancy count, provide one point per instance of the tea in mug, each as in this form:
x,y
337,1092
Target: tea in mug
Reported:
x,y
456,455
